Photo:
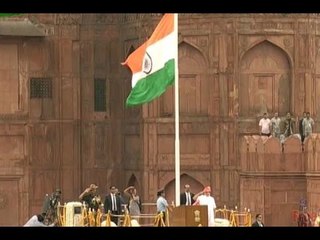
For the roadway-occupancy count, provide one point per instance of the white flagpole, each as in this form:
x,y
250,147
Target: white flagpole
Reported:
x,y
176,102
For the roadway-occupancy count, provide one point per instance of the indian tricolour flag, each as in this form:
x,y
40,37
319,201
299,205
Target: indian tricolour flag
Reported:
x,y
153,63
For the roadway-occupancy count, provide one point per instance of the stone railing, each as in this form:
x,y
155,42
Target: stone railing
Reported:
x,y
267,154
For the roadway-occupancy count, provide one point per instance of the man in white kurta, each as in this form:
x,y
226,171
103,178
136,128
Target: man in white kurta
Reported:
x,y
204,198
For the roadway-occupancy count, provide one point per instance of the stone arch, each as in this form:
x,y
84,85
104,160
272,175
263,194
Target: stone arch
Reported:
x,y
261,40
169,188
193,84
265,77
190,50
133,181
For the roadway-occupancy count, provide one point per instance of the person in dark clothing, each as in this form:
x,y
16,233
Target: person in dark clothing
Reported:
x,y
112,204
258,222
91,198
50,206
186,198
301,126
288,125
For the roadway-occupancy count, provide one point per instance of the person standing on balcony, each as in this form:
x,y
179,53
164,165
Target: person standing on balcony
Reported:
x,y
275,125
288,125
264,125
307,125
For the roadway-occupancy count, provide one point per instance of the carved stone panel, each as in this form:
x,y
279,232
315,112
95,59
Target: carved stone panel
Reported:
x,y
252,194
193,86
43,146
12,147
9,202
69,19
101,144
264,81
302,49
167,161
282,194
9,80
132,151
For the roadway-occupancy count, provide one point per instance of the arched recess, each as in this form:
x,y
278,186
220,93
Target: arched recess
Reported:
x,y
134,182
265,81
193,84
195,186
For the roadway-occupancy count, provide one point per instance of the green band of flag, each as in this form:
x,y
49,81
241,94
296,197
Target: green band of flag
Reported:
x,y
8,14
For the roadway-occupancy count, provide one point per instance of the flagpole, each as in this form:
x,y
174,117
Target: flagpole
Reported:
x,y
177,134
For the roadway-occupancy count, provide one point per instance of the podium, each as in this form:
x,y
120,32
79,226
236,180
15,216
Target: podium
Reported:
x,y
189,216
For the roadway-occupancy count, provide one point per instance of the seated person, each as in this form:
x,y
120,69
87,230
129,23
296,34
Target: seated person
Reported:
x,y
37,221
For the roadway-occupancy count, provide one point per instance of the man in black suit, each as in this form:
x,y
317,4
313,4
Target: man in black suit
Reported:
x,y
112,203
258,222
186,198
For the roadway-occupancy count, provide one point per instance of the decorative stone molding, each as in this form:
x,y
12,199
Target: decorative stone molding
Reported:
x,y
6,117
128,18
106,18
67,19
287,42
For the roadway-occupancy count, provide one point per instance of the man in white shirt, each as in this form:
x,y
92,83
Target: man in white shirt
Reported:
x,y
307,125
264,125
275,125
204,198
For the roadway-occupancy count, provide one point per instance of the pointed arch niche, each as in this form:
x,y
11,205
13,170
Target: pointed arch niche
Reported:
x,y
265,81
195,186
134,182
193,85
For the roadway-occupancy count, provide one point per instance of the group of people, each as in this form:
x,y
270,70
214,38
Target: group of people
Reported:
x,y
283,128
305,219
188,198
204,198
48,216
116,205
114,202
